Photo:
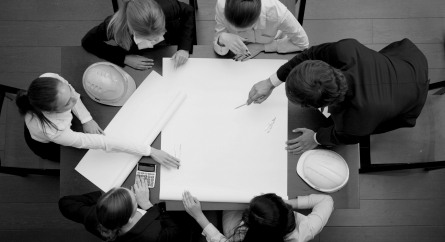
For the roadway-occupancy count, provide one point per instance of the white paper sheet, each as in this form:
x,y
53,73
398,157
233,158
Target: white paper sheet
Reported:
x,y
140,120
226,154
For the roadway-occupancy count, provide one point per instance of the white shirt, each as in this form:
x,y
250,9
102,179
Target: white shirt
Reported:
x,y
145,43
67,137
276,27
307,227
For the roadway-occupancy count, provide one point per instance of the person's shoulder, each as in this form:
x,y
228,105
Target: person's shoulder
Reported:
x,y
347,49
221,4
348,44
274,10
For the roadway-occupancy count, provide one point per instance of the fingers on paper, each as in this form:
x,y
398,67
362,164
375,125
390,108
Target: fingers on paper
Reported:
x,y
172,161
186,199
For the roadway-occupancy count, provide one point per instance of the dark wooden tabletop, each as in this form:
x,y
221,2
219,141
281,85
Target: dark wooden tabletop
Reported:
x,y
75,60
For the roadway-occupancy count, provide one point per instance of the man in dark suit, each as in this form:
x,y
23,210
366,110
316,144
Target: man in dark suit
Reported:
x,y
366,92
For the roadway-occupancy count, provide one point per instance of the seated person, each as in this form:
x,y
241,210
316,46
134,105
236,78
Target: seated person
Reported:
x,y
47,107
141,24
268,218
365,92
121,215
249,27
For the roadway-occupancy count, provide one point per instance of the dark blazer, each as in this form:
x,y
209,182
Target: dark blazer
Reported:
x,y
386,90
179,23
155,225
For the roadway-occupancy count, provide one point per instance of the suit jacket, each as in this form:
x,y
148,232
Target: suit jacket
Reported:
x,y
386,90
155,225
179,23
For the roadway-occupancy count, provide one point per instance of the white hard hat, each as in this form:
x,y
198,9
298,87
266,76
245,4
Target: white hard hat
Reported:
x,y
323,170
108,84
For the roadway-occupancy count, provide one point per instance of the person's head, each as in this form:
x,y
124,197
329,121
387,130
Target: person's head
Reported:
x,y
315,84
46,94
143,18
268,218
242,14
114,210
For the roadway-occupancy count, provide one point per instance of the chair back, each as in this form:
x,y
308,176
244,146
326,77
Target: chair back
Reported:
x,y
17,152
423,143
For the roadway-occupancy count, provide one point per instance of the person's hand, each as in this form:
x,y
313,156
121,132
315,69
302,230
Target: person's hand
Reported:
x,y
180,58
164,159
234,42
260,91
192,205
138,62
92,127
142,193
303,143
254,50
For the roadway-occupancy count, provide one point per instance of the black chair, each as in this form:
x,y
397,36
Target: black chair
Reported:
x,y
422,146
296,7
301,9
18,157
193,3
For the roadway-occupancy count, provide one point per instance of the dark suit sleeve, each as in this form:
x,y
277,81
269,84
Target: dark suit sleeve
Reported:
x,y
94,42
328,136
77,208
320,52
170,230
187,16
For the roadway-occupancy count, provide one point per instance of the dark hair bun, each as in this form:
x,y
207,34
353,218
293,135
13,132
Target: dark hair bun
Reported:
x,y
22,102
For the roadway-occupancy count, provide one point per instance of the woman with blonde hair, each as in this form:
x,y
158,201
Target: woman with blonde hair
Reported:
x,y
141,24
122,214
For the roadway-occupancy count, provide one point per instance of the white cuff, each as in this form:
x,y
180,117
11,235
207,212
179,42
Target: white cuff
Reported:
x,y
271,47
275,81
86,119
220,50
315,138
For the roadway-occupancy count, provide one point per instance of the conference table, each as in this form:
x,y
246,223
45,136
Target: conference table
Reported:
x,y
75,60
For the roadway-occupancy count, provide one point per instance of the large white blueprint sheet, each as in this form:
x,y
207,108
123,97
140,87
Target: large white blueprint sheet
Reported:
x,y
140,120
227,154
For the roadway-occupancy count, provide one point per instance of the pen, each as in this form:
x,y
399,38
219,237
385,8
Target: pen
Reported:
x,y
241,106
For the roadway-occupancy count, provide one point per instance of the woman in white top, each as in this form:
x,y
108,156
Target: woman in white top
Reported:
x,y
268,218
47,107
248,27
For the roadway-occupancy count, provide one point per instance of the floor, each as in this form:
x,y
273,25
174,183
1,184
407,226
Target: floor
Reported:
x,y
394,206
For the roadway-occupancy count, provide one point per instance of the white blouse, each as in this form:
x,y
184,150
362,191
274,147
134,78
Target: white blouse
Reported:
x,y
67,137
307,227
276,27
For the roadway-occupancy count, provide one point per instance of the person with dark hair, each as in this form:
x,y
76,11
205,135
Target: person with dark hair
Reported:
x,y
121,215
141,24
249,27
267,218
47,107
362,91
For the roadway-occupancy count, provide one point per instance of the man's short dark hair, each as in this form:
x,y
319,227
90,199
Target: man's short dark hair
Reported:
x,y
314,83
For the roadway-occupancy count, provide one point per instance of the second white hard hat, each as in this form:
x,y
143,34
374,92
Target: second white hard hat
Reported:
x,y
323,170
108,84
